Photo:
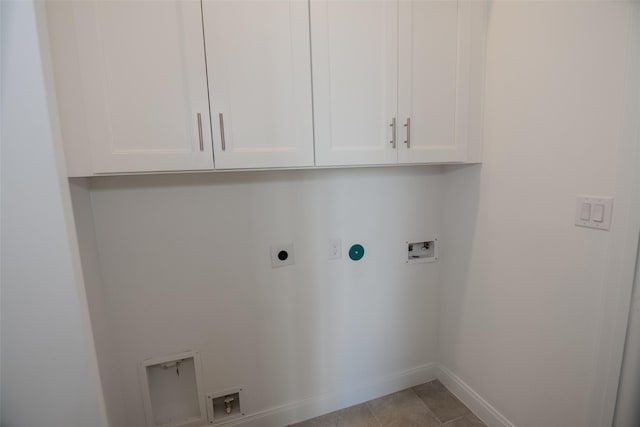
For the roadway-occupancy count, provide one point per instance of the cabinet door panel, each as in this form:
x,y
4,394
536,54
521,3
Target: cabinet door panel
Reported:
x,y
144,84
429,49
354,46
259,67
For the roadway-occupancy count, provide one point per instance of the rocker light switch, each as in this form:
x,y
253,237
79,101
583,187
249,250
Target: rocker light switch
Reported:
x,y
585,212
594,212
598,212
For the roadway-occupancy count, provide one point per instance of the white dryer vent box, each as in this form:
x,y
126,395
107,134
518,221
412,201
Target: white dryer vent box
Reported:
x,y
172,392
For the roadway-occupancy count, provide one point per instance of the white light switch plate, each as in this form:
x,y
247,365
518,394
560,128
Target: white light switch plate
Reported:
x,y
594,212
335,249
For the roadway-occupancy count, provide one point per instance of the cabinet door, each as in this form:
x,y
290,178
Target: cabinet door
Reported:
x,y
354,47
144,85
259,68
432,60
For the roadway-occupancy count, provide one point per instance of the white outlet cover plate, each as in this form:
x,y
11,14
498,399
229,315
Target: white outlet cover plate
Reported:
x,y
335,249
606,202
277,262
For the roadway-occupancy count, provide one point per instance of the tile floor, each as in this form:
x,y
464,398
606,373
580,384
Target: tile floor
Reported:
x,y
427,405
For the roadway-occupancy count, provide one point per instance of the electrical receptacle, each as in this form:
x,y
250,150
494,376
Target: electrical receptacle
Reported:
x,y
282,255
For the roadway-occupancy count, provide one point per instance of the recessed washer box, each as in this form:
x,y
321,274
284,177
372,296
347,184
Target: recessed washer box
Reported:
x,y
225,405
422,251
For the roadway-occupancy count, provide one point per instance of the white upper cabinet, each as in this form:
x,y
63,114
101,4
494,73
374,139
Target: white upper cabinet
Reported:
x,y
179,85
259,69
355,50
428,60
143,84
415,63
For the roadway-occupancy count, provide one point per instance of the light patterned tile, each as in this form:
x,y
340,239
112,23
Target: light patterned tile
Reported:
x,y
355,416
427,405
441,401
469,420
402,409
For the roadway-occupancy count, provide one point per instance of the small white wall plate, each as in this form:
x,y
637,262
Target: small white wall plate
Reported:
x,y
282,255
335,249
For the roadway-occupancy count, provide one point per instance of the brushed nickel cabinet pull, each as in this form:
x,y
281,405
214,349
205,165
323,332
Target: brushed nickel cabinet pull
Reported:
x,y
408,126
221,119
200,132
393,132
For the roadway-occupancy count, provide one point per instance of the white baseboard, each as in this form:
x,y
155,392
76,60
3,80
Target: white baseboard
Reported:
x,y
483,409
302,410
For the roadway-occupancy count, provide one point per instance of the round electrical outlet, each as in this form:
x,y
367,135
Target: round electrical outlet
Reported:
x,y
281,255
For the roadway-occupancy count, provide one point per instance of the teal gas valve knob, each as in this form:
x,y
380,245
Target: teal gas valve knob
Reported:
x,y
356,252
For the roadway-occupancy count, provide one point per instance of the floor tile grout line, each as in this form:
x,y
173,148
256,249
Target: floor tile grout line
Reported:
x,y
454,419
427,406
373,413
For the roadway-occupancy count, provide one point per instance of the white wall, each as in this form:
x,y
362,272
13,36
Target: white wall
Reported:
x,y
90,261
627,408
521,286
514,308
48,365
185,265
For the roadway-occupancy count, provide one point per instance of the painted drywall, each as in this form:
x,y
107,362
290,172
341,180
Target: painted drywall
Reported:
x,y
522,290
83,219
627,412
521,286
64,55
185,265
47,358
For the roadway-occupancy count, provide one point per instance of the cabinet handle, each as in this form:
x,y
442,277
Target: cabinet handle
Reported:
x,y
200,132
393,132
221,119
408,126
